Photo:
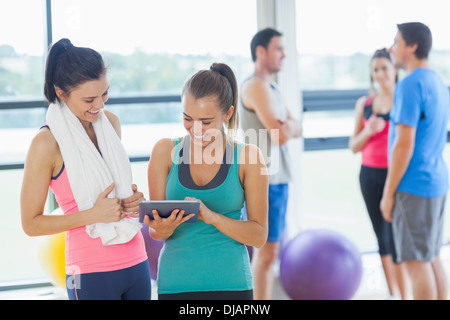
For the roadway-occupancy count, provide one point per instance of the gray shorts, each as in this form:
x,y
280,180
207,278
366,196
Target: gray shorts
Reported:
x,y
417,226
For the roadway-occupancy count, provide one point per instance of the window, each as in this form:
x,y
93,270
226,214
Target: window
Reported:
x,y
335,42
21,50
22,61
150,48
337,38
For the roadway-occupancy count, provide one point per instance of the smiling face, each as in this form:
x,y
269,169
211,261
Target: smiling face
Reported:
x,y
383,72
203,119
86,100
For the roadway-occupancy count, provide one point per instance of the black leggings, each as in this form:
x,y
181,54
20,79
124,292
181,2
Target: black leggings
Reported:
x,y
208,295
372,183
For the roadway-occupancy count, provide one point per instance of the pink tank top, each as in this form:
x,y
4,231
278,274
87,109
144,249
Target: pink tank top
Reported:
x,y
375,152
85,254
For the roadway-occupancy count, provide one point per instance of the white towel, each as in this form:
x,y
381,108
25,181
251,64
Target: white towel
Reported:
x,y
90,172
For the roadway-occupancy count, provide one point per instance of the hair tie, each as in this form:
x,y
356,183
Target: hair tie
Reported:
x,y
66,45
212,68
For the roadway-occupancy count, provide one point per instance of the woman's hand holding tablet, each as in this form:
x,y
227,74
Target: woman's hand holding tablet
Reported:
x,y
167,208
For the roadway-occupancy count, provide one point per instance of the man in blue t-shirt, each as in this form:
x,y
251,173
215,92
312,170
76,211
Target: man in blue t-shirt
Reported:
x,y
417,181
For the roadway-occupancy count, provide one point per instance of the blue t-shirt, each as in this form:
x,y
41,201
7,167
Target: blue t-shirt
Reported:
x,y
421,101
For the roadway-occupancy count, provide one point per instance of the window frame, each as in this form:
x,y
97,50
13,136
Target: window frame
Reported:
x,y
313,101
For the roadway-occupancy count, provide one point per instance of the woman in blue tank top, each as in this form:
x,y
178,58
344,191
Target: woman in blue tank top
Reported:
x,y
208,259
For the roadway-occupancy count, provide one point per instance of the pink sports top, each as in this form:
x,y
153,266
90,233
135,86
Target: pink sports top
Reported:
x,y
375,152
85,254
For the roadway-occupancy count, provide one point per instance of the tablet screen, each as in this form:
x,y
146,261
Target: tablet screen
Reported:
x,y
165,208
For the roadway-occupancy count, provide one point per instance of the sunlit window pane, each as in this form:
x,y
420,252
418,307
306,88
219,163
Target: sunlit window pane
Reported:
x,y
337,38
150,48
153,46
21,49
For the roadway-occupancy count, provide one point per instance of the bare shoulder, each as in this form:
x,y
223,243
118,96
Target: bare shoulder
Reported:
x,y
161,157
360,103
252,167
163,146
163,151
251,155
115,121
254,84
255,92
43,148
112,117
44,142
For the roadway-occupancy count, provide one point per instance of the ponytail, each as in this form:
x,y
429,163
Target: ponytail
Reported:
x,y
68,66
54,55
226,72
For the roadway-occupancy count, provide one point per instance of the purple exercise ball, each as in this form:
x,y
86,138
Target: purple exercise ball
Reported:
x,y
153,249
320,265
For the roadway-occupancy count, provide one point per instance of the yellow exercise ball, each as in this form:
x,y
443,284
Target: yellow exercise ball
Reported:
x,y
52,257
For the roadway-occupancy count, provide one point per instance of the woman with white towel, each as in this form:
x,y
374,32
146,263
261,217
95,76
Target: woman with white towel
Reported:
x,y
79,156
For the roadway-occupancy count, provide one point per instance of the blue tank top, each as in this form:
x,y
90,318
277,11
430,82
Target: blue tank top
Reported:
x,y
198,257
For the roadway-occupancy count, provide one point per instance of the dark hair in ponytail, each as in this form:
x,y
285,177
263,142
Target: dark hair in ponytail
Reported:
x,y
220,81
68,67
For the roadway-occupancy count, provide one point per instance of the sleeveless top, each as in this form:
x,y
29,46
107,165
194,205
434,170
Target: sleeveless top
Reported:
x,y
275,156
197,256
375,152
84,254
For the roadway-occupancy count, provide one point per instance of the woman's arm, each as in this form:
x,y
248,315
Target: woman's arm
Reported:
x,y
38,170
158,170
254,177
361,134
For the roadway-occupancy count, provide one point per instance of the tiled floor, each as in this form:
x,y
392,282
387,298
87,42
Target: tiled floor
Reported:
x,y
372,286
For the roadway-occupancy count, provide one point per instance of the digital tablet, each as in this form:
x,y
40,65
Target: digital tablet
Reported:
x,y
165,208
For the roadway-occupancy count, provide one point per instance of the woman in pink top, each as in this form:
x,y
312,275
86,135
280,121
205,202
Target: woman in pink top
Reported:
x,y
371,138
77,76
